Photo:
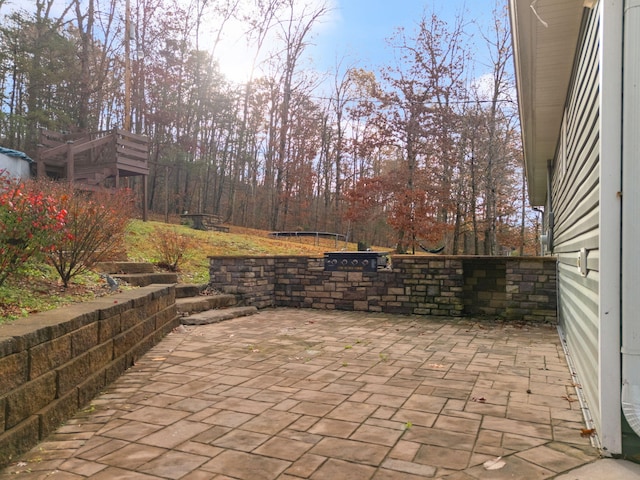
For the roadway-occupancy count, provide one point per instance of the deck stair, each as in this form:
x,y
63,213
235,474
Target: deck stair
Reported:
x,y
138,274
200,306
196,304
146,279
192,299
218,315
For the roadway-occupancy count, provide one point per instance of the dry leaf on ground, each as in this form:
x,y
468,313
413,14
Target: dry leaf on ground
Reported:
x,y
495,464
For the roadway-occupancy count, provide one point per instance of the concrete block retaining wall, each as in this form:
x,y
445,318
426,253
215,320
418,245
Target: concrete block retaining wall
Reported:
x,y
53,363
510,287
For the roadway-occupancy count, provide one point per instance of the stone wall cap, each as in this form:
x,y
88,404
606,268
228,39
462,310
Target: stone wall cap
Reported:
x,y
475,257
45,326
259,257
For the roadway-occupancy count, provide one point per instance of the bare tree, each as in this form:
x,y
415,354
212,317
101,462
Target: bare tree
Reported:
x,y
499,46
295,27
261,22
343,94
419,120
408,149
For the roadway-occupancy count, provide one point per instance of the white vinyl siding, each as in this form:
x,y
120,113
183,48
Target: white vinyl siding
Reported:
x,y
575,200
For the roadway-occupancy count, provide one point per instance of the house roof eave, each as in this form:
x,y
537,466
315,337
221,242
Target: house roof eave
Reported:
x,y
544,35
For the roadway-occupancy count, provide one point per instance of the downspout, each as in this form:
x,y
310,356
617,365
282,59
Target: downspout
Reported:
x,y
547,238
542,238
630,261
549,194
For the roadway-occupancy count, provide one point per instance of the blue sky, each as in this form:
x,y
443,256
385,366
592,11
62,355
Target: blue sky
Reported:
x,y
358,29
355,30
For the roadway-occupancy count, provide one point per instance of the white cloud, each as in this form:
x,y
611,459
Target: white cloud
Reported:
x,y
484,85
235,54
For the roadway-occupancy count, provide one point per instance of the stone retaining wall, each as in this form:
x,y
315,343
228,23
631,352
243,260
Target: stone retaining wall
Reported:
x,y
250,279
53,363
510,287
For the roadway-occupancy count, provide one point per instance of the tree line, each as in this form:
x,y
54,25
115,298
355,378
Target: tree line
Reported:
x,y
415,153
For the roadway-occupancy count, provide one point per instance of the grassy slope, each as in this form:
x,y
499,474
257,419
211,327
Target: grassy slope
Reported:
x,y
239,241
38,288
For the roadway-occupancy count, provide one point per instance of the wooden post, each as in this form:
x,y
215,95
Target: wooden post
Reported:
x,y
70,162
127,67
166,194
145,195
41,168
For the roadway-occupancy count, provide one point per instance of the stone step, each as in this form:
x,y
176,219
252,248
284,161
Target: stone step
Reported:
x,y
124,267
215,316
202,303
146,279
184,290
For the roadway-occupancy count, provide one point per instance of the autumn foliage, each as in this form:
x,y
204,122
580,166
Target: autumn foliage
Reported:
x,y
171,247
31,222
423,149
94,229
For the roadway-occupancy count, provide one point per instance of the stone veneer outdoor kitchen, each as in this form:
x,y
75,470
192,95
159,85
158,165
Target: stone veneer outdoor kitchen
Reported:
x,y
513,288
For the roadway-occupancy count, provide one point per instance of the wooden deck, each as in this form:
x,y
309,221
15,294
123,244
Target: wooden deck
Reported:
x,y
93,157
90,159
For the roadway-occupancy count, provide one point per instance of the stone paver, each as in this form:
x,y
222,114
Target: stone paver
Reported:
x,y
307,394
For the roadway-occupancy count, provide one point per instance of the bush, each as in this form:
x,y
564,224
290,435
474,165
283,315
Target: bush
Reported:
x,y
30,221
93,232
170,247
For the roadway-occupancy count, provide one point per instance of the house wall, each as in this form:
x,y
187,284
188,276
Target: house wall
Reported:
x,y
576,209
14,166
630,234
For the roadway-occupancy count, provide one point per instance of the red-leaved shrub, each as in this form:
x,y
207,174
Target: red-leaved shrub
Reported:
x,y
31,221
94,229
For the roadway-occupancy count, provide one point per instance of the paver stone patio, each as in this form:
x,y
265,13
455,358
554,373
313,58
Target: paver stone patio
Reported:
x,y
308,394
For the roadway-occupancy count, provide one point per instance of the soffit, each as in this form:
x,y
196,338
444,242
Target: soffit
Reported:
x,y
544,44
